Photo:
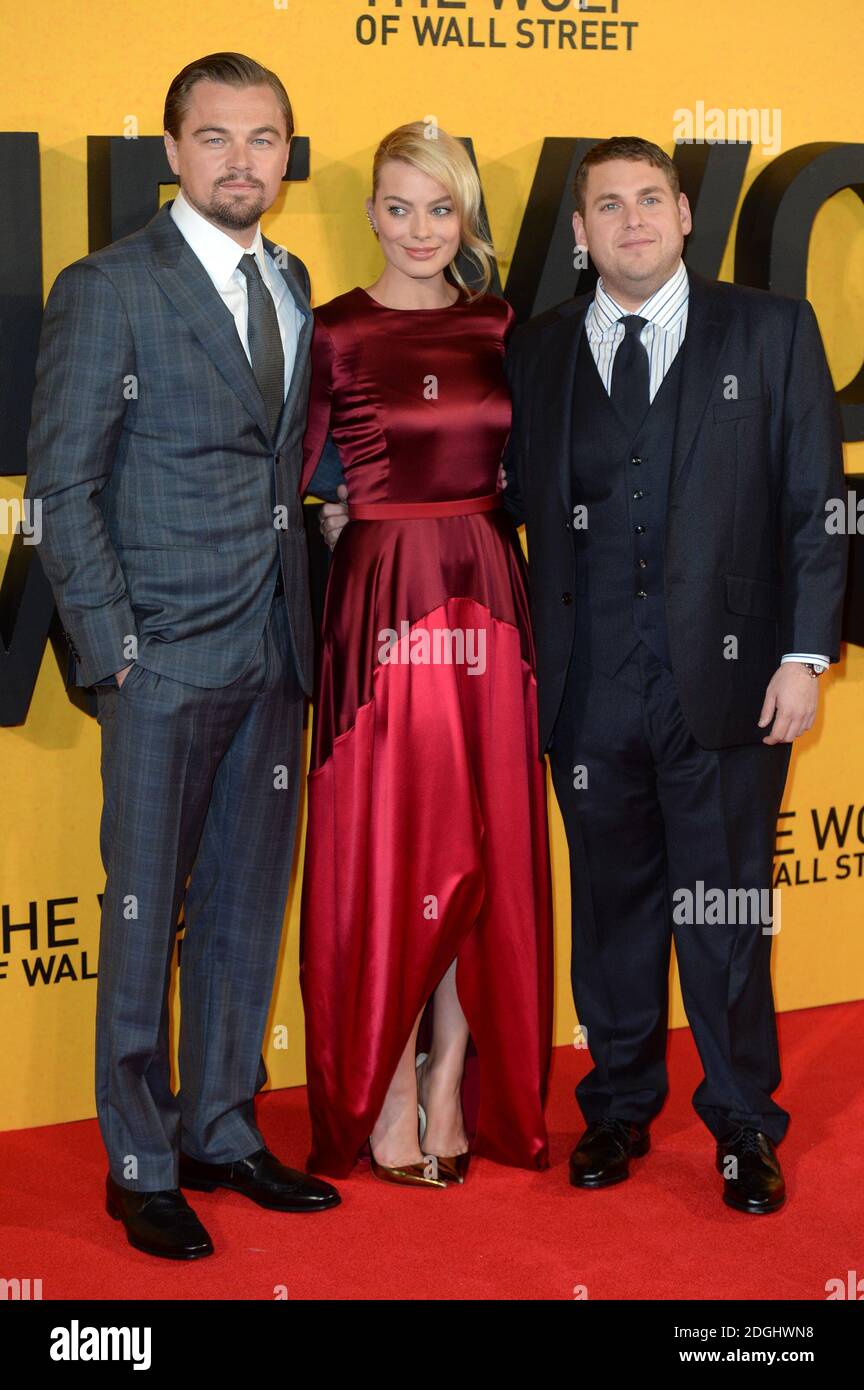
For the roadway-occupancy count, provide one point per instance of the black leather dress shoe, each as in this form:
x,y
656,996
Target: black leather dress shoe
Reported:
x,y
159,1223
263,1179
755,1181
602,1156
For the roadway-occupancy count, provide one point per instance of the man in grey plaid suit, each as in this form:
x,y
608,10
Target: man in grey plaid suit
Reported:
x,y
168,421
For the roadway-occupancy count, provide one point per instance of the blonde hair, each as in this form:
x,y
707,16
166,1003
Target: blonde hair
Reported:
x,y
444,158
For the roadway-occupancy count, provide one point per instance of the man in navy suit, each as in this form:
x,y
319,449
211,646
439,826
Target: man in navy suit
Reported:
x,y
674,444
166,445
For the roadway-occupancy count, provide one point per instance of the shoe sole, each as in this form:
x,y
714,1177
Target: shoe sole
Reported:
x,y
197,1186
598,1182
736,1205
639,1151
148,1250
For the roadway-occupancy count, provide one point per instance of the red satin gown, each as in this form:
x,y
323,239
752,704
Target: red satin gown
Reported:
x,y
427,833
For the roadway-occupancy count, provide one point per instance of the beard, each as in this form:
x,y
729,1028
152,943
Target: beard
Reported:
x,y
234,210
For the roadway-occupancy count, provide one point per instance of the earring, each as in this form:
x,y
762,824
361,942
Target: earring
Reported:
x,y
371,223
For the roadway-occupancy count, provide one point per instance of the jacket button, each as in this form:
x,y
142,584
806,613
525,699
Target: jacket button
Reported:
x,y
640,593
638,495
643,564
566,597
636,459
640,530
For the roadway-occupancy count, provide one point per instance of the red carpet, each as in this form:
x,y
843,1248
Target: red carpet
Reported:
x,y
507,1234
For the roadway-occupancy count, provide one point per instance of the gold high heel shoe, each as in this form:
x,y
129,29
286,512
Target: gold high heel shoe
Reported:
x,y
453,1167
411,1175
423,1174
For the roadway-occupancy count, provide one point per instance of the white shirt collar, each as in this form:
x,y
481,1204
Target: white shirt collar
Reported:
x,y
665,307
219,253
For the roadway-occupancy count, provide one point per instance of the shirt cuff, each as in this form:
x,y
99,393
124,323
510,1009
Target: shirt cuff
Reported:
x,y
820,662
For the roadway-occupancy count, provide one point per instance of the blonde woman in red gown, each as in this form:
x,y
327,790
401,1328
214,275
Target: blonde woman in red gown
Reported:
x,y
426,871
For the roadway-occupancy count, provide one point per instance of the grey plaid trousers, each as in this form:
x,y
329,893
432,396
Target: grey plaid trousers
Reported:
x,y
198,784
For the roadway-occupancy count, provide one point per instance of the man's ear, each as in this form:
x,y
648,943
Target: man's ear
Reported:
x,y
686,215
287,156
579,230
171,151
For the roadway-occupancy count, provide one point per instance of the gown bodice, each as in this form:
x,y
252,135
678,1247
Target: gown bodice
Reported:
x,y
416,400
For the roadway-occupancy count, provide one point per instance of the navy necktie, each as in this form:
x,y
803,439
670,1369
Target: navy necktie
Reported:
x,y
630,375
265,341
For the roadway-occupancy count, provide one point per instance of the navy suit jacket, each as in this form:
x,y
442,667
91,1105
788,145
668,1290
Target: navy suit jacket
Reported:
x,y
757,455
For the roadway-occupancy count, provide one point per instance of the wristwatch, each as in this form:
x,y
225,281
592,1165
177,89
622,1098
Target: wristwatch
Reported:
x,y
815,671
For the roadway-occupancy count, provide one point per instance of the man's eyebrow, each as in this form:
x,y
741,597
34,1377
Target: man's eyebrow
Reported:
x,y
223,130
640,192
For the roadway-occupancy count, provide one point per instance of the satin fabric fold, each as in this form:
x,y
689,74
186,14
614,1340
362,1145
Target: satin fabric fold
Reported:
x,y
426,840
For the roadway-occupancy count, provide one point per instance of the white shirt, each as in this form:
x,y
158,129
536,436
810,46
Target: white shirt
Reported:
x,y
662,336
220,256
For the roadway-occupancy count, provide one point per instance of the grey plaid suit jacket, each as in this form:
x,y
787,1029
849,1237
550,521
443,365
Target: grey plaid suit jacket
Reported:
x,y
166,504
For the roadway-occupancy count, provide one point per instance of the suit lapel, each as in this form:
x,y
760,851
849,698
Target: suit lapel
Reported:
x,y
555,404
708,322
193,294
184,280
297,293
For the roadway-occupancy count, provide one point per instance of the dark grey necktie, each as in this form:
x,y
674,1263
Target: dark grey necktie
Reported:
x,y
630,375
265,342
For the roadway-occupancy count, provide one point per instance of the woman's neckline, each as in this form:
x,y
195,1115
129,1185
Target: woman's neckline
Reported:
x,y
435,309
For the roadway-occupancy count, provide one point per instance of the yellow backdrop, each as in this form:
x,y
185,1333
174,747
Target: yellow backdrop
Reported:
x,y
71,71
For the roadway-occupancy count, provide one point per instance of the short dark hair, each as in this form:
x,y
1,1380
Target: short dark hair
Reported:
x,y
623,147
236,70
